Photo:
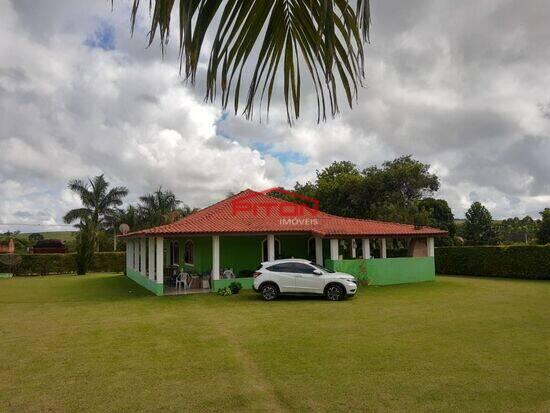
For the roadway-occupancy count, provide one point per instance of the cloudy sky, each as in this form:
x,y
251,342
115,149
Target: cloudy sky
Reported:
x,y
463,86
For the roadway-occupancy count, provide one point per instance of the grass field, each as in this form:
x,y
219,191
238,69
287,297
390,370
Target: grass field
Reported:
x,y
100,343
60,235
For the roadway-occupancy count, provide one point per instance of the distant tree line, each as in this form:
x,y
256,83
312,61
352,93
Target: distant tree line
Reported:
x,y
403,191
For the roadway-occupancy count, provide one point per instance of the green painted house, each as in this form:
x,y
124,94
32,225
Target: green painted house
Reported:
x,y
235,235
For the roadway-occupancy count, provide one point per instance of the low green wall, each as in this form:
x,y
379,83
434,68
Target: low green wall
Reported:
x,y
387,271
247,283
155,288
5,275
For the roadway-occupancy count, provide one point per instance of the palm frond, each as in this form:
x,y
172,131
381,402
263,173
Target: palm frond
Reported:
x,y
282,36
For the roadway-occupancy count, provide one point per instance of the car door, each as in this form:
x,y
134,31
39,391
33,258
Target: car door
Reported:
x,y
307,281
284,277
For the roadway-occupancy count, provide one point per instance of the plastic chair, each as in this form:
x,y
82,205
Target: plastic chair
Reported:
x,y
181,279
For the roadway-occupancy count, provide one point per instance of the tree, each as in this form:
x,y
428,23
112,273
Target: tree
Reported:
x,y
98,205
324,36
440,215
161,207
388,192
478,227
544,229
35,237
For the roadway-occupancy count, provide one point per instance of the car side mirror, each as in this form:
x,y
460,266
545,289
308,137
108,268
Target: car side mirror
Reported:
x,y
317,272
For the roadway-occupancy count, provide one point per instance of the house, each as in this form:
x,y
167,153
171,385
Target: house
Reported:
x,y
49,246
243,230
7,247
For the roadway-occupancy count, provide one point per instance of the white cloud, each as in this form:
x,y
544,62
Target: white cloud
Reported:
x,y
460,86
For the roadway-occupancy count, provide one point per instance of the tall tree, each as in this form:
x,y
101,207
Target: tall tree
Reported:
x,y
478,227
161,207
440,213
389,192
273,39
544,230
98,204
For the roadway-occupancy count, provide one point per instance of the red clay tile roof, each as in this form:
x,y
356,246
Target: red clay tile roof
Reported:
x,y
251,212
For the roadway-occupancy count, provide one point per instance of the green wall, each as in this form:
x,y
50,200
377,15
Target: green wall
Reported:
x,y
237,252
387,271
157,289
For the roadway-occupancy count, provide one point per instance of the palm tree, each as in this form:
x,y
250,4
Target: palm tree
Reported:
x,y
161,207
98,206
325,36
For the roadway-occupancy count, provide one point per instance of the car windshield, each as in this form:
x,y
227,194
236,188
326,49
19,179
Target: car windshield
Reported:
x,y
322,268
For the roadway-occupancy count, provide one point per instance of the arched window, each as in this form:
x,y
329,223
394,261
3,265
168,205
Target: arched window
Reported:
x,y
188,252
277,249
174,252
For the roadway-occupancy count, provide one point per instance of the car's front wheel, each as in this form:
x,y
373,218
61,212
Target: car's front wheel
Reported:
x,y
335,292
269,291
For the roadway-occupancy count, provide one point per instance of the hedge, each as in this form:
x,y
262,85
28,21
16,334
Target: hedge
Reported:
x,y
42,264
530,262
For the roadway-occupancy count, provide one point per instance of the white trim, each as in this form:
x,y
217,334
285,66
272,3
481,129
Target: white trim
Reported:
x,y
160,260
366,248
215,257
277,242
151,253
318,250
270,247
431,247
334,249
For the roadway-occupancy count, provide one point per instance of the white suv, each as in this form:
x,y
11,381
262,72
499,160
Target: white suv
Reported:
x,y
297,276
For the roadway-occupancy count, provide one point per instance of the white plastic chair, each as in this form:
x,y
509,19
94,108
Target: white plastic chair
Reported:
x,y
182,280
228,274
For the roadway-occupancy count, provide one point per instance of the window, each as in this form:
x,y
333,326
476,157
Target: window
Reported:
x,y
301,268
188,252
174,252
277,249
279,268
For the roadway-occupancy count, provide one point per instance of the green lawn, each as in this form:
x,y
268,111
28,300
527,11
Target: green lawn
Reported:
x,y
101,343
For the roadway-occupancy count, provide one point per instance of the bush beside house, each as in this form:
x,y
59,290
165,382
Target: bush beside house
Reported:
x,y
530,262
42,264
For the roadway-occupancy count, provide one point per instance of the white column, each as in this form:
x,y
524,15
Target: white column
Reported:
x,y
270,247
353,249
319,250
151,246
160,260
333,249
215,257
366,248
383,248
431,247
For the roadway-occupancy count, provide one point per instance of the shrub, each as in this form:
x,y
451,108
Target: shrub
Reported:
x,y
42,264
235,287
225,291
530,261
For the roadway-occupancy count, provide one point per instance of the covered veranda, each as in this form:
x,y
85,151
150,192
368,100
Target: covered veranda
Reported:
x,y
210,248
